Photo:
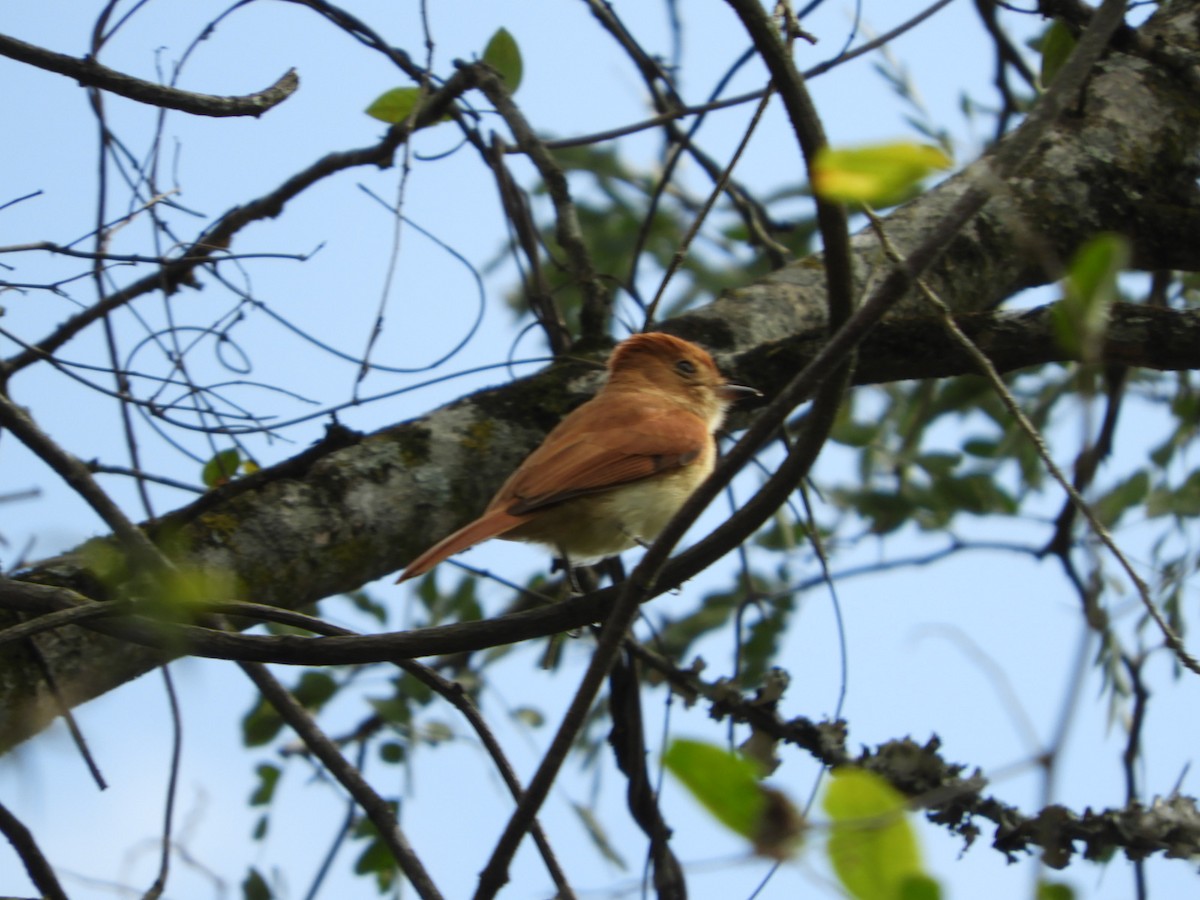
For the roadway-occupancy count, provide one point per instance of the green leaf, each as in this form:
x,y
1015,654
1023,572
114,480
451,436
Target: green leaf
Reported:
x,y
375,859
260,725
1181,501
938,464
221,468
1057,44
1090,288
724,783
1093,272
886,511
268,778
1052,890
872,846
880,174
1120,499
976,493
436,732
981,447
529,717
392,752
394,106
599,837
255,887
263,723
393,710
919,887
503,55
314,689
364,603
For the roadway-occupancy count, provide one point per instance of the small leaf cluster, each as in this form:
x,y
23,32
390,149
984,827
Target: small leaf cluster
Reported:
x,y
502,54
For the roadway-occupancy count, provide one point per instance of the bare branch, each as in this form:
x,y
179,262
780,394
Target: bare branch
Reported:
x,y
91,73
597,305
23,842
216,239
382,816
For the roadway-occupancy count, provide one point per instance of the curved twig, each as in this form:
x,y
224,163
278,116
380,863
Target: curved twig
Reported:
x,y
597,305
218,238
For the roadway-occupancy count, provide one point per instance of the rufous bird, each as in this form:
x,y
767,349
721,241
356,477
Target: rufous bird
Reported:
x,y
612,473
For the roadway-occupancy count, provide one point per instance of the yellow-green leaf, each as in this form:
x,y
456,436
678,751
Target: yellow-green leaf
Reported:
x,y
725,784
1094,270
872,846
1048,890
221,468
394,106
1089,290
503,55
880,174
1057,44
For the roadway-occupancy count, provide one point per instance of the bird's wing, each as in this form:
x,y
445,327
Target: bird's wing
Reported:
x,y
615,443
611,446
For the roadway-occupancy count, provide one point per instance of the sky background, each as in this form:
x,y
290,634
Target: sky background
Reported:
x,y
921,643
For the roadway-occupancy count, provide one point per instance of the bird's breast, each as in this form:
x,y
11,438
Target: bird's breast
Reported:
x,y
609,522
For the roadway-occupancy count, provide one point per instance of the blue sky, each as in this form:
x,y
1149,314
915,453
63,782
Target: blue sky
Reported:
x,y
921,642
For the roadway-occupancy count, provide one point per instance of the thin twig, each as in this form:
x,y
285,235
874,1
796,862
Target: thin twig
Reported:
x,y
642,581
377,809
75,473
680,253
597,305
64,710
218,237
1043,451
164,863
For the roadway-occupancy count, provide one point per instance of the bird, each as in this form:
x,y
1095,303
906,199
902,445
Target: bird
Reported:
x,y
615,470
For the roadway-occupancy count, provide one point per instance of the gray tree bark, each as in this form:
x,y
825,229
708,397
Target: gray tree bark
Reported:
x,y
354,508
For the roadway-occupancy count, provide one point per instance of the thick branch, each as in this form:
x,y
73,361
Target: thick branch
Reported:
x,y
339,516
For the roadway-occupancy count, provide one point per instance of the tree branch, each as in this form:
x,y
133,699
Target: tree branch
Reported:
x,y
40,871
91,73
217,239
436,472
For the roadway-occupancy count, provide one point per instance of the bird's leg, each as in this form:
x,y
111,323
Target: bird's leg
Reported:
x,y
562,562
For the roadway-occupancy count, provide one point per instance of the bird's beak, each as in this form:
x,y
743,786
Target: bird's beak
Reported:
x,y
734,392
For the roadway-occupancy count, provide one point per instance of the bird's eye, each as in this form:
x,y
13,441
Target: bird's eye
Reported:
x,y
685,367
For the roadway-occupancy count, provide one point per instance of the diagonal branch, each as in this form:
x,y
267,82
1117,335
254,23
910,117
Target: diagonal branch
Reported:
x,y
217,239
596,309
437,471
382,816
40,871
91,73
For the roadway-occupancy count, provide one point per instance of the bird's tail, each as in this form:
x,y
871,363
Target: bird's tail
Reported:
x,y
489,525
